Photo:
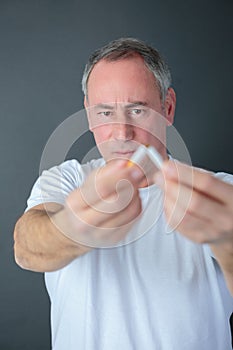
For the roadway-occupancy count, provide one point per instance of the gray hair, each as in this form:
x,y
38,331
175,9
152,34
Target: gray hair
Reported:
x,y
126,47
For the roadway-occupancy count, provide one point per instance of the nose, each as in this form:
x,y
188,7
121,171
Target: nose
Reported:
x,y
122,131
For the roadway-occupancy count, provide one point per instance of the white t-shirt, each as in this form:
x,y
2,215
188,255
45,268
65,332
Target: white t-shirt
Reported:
x,y
159,292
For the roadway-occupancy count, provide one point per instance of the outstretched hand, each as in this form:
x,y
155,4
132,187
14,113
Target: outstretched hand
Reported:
x,y
101,212
200,207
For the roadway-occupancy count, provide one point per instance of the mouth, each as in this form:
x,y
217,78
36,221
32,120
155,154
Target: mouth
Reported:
x,y
124,154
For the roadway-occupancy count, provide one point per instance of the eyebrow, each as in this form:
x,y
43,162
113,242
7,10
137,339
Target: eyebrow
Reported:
x,y
136,103
104,106
129,105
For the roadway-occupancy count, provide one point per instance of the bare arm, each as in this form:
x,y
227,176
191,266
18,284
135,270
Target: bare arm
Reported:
x,y
200,207
97,214
39,245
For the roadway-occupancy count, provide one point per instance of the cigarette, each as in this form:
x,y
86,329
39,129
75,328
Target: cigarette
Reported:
x,y
155,157
140,153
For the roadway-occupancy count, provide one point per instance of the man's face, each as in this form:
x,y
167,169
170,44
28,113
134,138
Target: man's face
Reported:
x,y
125,109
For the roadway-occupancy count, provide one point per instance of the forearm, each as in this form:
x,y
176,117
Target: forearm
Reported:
x,y
223,253
40,246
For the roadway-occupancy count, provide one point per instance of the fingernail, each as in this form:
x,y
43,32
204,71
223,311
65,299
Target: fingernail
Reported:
x,y
136,173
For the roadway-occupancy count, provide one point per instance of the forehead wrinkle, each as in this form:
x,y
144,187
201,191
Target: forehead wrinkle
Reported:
x,y
126,81
122,105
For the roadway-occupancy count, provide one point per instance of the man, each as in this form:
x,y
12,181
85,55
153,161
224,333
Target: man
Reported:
x,y
154,290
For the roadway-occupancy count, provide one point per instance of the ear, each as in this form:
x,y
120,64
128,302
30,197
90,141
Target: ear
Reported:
x,y
85,102
170,106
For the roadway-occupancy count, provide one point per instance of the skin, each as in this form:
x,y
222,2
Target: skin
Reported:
x,y
206,217
203,210
128,88
49,236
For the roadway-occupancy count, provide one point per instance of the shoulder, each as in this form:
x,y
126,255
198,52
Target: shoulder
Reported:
x,y
56,183
226,177
72,170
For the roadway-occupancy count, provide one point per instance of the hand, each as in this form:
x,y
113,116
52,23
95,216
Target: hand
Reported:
x,y
102,211
200,207
197,204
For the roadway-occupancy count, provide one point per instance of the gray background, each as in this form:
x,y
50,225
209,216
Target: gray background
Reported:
x,y
43,49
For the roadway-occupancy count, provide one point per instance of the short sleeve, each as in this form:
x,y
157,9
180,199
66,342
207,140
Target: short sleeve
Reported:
x,y
55,184
228,178
225,177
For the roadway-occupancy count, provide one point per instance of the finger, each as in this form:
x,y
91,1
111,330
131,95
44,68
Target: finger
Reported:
x,y
196,229
101,237
118,201
90,194
105,184
215,218
201,231
95,218
194,202
96,230
199,179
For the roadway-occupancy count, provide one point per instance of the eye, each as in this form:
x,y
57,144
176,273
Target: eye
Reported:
x,y
136,112
105,113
